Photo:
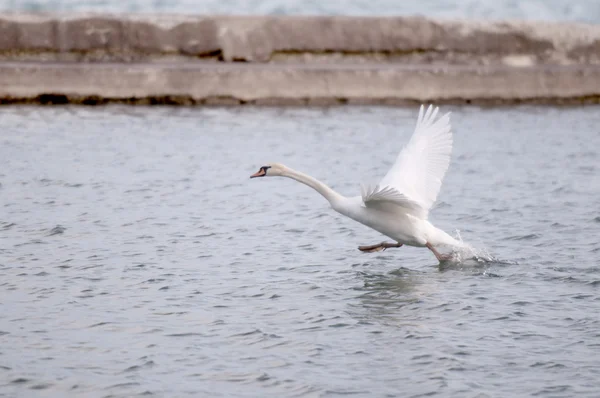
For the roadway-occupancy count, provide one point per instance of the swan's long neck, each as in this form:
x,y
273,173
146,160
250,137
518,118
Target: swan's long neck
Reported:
x,y
328,193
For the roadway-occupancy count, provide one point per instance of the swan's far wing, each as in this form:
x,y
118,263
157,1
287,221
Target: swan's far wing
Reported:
x,y
420,167
389,199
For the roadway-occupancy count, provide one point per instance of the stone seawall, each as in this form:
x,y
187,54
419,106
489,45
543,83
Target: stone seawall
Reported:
x,y
175,59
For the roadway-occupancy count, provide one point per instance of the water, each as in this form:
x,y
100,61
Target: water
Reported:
x,y
138,258
552,10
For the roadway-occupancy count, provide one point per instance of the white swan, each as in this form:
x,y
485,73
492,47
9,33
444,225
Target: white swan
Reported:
x,y
398,206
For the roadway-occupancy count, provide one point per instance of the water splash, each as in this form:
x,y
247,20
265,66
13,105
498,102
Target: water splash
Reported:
x,y
467,254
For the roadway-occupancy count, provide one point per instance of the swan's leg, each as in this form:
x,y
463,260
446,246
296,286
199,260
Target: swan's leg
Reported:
x,y
378,247
440,257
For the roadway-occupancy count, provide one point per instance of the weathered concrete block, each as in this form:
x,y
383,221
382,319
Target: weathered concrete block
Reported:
x,y
265,38
40,36
242,83
21,35
196,38
9,35
257,38
193,38
88,34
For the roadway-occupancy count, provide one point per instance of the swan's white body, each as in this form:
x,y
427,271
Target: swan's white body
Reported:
x,y
397,207
402,227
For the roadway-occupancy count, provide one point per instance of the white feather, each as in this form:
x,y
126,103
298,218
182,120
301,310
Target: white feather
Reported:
x,y
420,167
390,200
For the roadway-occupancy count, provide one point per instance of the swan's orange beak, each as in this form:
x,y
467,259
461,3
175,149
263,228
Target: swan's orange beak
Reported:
x,y
259,173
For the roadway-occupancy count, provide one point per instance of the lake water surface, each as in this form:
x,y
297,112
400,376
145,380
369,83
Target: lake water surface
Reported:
x,y
138,258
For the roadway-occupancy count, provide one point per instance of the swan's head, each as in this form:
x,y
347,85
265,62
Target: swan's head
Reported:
x,y
270,170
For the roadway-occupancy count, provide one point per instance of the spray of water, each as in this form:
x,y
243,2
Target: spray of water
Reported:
x,y
466,253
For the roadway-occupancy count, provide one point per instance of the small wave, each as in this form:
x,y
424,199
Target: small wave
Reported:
x,y
59,229
524,237
135,368
99,324
188,334
6,226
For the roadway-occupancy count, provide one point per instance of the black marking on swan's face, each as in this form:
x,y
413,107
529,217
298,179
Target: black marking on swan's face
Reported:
x,y
261,172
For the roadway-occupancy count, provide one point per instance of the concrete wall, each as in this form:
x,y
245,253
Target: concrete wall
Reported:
x,y
92,58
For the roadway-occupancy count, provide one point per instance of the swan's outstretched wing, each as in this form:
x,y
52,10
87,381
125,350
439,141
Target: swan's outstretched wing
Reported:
x,y
415,179
390,200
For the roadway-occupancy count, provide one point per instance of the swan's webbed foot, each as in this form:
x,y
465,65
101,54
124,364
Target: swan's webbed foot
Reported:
x,y
440,257
378,247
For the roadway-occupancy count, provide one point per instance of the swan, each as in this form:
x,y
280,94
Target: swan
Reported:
x,y
398,206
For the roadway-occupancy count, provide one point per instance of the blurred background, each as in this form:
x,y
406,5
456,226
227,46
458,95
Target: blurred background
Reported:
x,y
551,10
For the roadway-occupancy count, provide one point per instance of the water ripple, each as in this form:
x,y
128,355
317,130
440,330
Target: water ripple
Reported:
x,y
156,267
